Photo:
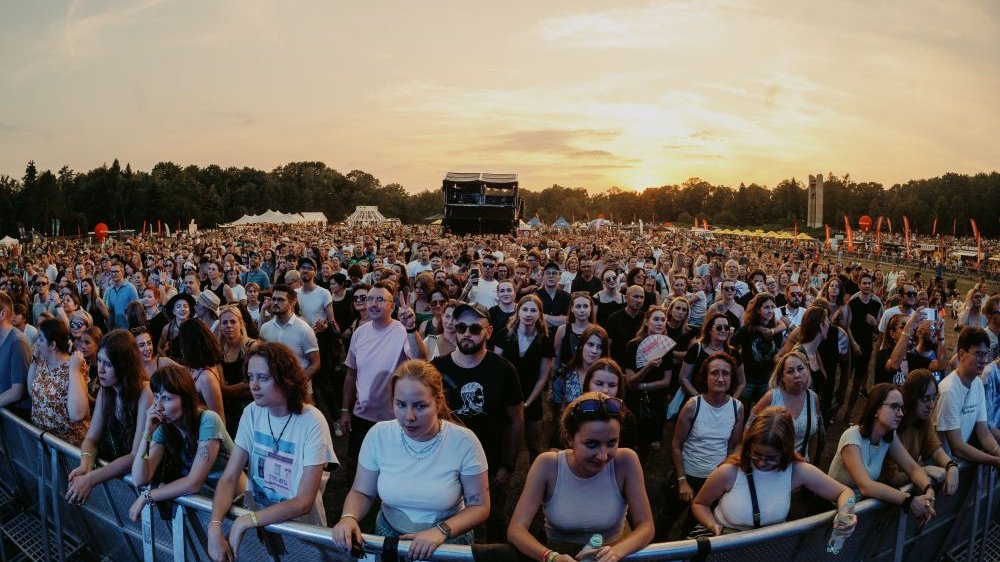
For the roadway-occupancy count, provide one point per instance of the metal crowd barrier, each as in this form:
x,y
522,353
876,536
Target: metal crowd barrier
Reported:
x,y
35,519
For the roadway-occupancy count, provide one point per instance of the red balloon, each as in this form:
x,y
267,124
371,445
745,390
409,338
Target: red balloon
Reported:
x,y
101,231
865,222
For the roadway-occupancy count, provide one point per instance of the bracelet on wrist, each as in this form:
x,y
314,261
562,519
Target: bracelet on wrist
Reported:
x,y
951,465
344,410
86,454
148,496
682,478
215,521
349,516
545,555
253,519
552,555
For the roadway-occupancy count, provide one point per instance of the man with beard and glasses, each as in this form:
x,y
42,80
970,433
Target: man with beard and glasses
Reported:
x,y
792,309
483,391
907,302
287,328
377,348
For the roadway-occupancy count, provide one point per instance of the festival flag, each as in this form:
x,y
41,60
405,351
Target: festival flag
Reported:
x,y
906,234
159,226
143,231
850,235
934,228
795,234
827,227
979,243
954,227
696,221
889,222
878,236
704,224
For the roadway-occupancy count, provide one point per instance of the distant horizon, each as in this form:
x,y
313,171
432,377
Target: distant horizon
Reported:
x,y
803,179
638,94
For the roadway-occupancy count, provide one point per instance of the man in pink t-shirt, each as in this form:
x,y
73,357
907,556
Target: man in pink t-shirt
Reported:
x,y
377,348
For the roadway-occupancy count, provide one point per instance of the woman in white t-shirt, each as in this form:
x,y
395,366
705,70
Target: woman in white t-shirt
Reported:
x,y
429,473
864,447
286,443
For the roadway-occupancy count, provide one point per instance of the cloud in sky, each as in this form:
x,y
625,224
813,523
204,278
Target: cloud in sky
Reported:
x,y
634,94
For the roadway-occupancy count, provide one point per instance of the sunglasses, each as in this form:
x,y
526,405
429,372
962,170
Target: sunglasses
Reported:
x,y
474,329
360,298
596,405
41,283
720,328
795,294
910,293
609,279
729,289
77,324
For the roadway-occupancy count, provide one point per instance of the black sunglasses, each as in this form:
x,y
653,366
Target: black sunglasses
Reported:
x,y
474,329
595,405
910,293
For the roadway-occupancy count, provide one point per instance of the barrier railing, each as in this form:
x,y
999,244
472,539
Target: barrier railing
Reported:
x,y
35,517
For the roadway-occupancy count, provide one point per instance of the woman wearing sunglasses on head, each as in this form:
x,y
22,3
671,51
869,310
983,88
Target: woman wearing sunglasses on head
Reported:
x,y
864,447
424,445
585,490
753,488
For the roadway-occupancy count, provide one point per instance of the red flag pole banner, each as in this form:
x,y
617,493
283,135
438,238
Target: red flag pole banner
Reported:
x,y
795,234
159,226
704,224
850,235
979,243
954,227
827,227
889,222
906,234
143,232
934,228
878,236
696,221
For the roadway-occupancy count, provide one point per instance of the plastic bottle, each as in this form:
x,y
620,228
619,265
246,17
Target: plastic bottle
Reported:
x,y
844,518
596,542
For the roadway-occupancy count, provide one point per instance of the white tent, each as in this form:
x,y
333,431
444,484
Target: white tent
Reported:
x,y
8,241
275,217
365,214
311,216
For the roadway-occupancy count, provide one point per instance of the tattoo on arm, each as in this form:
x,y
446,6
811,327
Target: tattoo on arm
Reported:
x,y
203,452
474,499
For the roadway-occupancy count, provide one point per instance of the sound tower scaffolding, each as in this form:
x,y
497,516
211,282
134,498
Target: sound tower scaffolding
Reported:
x,y
478,203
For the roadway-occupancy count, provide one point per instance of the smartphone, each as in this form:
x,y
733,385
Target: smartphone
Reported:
x,y
931,314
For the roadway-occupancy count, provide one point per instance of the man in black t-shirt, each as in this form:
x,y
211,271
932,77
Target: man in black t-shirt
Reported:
x,y
866,309
586,279
555,301
624,324
483,391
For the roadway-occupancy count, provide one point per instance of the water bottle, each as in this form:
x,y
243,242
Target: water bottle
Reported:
x,y
589,552
843,519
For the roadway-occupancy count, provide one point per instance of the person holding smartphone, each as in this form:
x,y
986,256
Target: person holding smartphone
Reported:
x,y
926,328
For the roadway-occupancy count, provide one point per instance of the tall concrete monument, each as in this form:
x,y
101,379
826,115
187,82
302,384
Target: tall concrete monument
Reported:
x,y
815,213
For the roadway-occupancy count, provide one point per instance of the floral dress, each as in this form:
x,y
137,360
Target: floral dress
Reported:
x,y
49,409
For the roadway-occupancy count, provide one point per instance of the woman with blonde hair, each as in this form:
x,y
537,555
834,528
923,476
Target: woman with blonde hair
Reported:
x,y
235,343
789,388
444,457
525,343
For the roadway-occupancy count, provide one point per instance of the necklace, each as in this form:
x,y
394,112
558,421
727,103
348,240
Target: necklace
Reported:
x,y
271,430
420,454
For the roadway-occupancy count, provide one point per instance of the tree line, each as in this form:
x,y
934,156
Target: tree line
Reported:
x,y
211,195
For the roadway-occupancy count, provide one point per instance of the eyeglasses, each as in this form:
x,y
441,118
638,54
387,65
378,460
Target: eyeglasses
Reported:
x,y
765,459
896,407
474,329
595,405
929,398
910,293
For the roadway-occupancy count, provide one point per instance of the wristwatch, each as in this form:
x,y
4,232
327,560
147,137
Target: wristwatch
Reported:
x,y
444,528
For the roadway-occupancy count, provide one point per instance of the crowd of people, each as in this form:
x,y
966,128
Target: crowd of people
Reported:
x,y
230,362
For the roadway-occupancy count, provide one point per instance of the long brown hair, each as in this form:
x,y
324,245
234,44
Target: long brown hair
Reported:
x,y
773,427
123,353
515,319
177,380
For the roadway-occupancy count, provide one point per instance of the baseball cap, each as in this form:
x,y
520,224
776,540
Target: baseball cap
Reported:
x,y
475,307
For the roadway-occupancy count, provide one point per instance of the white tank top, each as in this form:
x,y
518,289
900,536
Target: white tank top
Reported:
x,y
774,497
801,421
707,444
